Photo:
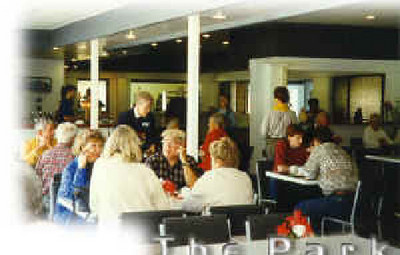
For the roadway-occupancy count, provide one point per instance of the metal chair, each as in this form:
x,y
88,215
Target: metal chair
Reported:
x,y
148,222
262,183
204,229
344,223
237,215
54,186
259,227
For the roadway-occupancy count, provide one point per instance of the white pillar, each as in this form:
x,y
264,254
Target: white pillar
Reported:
x,y
94,80
232,100
192,116
264,78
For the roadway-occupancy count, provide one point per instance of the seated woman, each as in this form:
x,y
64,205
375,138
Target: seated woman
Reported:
x,y
216,131
374,135
73,194
288,152
337,177
120,183
225,184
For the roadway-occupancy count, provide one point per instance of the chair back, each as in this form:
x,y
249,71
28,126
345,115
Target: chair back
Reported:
x,y
262,182
147,223
204,229
259,227
54,186
237,215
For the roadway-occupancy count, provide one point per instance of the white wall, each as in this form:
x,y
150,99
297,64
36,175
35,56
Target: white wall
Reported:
x,y
51,68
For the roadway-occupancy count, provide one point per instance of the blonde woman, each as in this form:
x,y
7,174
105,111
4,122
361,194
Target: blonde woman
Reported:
x,y
120,183
73,195
225,184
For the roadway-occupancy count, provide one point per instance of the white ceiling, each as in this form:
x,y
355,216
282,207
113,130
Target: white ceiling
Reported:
x,y
386,12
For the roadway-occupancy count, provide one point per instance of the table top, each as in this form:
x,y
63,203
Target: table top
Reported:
x,y
293,179
388,159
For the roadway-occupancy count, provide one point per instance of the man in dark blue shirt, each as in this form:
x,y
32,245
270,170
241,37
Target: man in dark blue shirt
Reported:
x,y
141,120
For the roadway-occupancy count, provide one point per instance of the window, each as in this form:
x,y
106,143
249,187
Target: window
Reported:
x,y
84,88
353,92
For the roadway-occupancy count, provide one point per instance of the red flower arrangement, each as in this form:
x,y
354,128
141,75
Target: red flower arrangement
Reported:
x,y
169,186
295,226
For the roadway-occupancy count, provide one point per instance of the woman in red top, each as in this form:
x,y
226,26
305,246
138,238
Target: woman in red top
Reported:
x,y
215,132
289,152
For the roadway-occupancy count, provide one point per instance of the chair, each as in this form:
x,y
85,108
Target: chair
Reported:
x,y
237,215
148,223
262,182
259,227
344,223
54,186
204,229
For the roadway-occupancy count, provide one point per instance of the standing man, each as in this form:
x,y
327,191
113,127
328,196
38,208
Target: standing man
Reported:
x,y
141,120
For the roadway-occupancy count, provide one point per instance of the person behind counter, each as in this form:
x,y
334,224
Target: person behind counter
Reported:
x,y
374,135
66,111
141,120
44,140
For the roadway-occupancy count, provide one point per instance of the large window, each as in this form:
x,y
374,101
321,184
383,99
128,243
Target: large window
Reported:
x,y
353,92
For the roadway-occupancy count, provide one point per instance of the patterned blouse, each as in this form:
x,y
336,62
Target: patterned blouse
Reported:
x,y
53,161
333,167
163,170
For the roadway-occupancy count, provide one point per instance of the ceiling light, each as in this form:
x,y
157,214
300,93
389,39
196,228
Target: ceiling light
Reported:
x,y
219,15
154,44
225,42
73,59
124,52
104,54
370,17
131,35
178,40
56,48
206,35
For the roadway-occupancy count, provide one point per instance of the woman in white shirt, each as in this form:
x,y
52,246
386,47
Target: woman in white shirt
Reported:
x,y
120,183
374,135
225,184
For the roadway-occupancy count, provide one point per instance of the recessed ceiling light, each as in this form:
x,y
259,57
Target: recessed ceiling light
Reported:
x,y
225,42
219,15
56,48
206,35
178,40
131,35
370,17
154,44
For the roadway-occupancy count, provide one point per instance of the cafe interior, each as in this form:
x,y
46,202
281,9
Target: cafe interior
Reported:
x,y
345,55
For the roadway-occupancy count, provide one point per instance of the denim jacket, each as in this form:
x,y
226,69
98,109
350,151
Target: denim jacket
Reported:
x,y
73,194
